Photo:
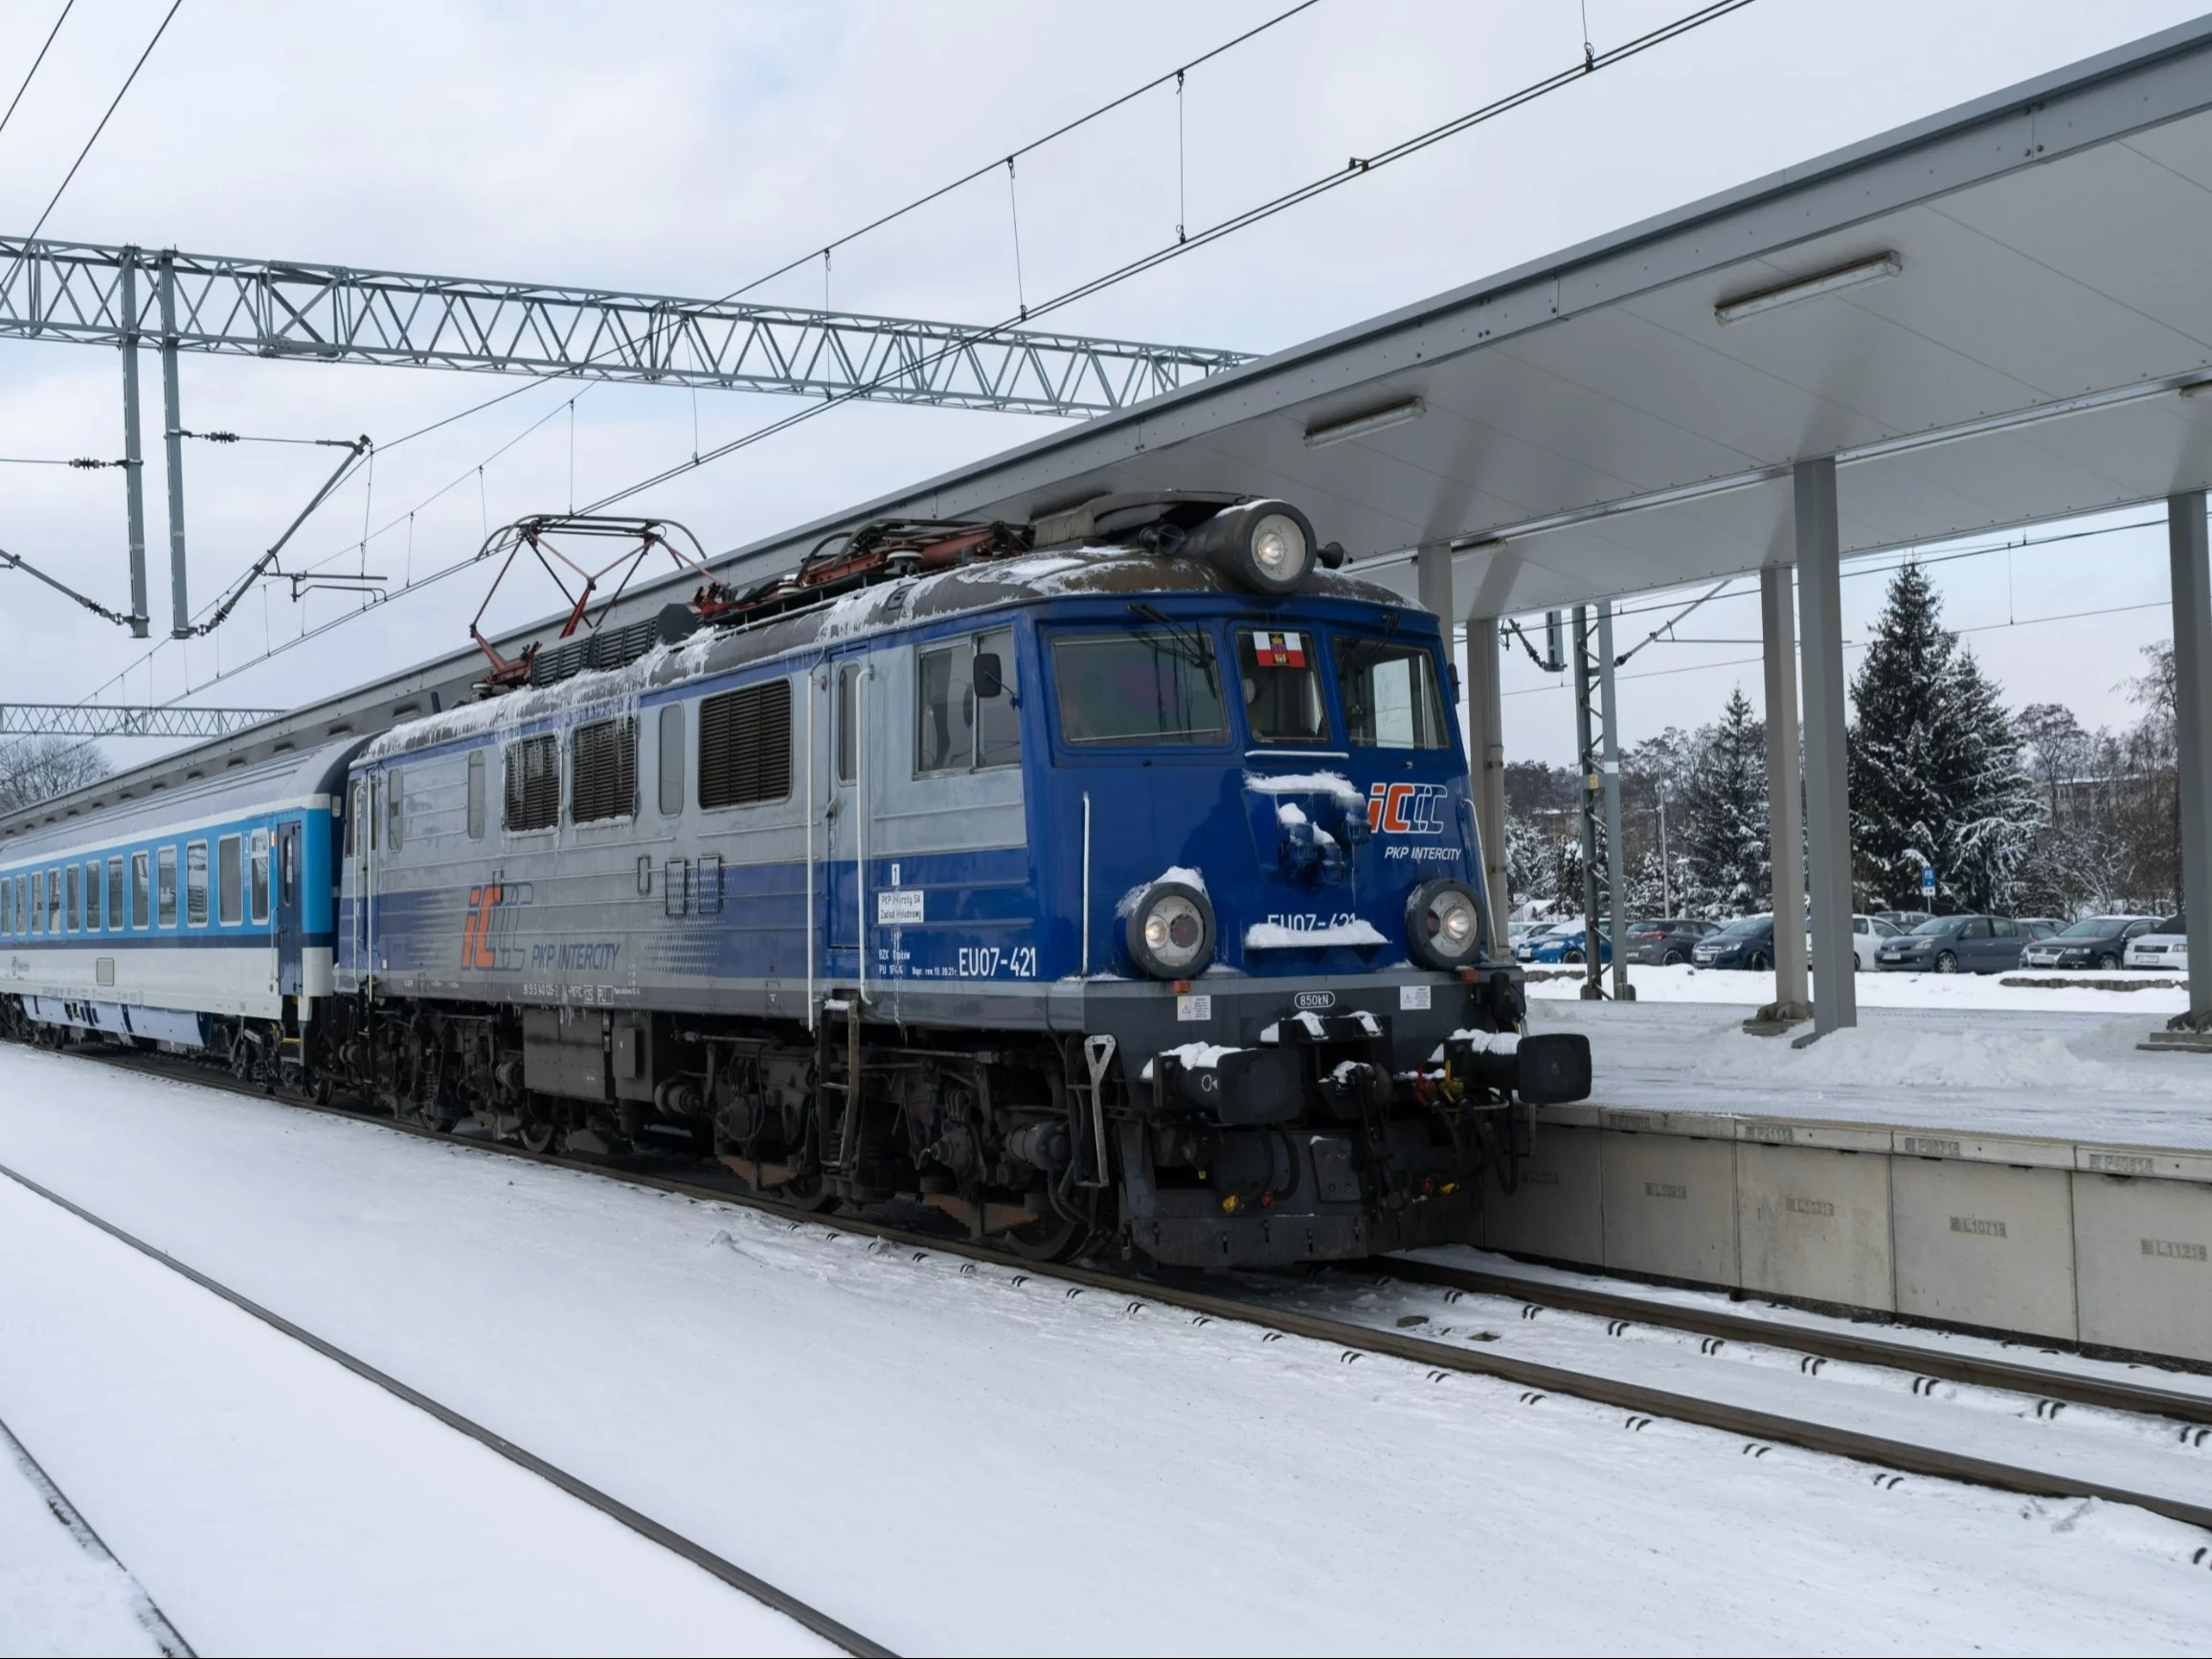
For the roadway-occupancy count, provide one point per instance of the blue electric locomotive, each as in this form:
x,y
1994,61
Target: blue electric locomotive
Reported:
x,y
1109,882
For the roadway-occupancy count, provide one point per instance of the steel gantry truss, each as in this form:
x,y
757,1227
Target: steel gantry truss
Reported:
x,y
97,720
97,295
333,313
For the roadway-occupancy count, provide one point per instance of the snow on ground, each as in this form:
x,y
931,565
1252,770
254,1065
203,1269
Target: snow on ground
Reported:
x,y
56,1597
2145,997
270,1501
1935,1050
951,1461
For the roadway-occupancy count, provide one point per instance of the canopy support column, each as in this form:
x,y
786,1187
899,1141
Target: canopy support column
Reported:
x,y
1486,772
2186,543
1827,790
1785,799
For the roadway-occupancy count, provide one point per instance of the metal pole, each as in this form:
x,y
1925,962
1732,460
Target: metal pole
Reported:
x,y
1592,974
1785,795
173,424
1486,767
1617,887
1827,796
133,462
2186,543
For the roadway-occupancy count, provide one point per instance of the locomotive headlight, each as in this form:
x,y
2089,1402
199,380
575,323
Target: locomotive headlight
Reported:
x,y
1279,548
1444,923
1266,546
1171,930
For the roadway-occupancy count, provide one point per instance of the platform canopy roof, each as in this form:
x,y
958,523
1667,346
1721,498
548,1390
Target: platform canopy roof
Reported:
x,y
2018,301
1994,316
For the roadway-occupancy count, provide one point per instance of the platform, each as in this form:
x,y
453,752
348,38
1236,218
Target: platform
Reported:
x,y
2026,1171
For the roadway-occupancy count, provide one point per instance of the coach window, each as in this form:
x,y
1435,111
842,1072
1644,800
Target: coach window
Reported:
x,y
92,914
55,914
1390,695
115,910
6,906
670,767
37,901
1282,686
745,746
533,785
476,796
258,873
165,887
140,897
230,881
1157,686
603,770
69,910
196,884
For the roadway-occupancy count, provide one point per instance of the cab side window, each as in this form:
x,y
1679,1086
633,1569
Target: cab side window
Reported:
x,y
1390,695
967,704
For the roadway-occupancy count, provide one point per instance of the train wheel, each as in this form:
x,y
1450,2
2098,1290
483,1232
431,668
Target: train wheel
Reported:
x,y
804,1195
537,1134
1050,1239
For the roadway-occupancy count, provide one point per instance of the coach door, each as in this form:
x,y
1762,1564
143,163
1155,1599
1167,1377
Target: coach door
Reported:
x,y
290,934
842,768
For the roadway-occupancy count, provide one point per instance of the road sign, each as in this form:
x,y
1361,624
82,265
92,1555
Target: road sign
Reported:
x,y
1927,881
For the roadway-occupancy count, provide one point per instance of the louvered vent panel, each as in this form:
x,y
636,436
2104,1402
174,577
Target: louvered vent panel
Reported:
x,y
533,784
745,746
603,770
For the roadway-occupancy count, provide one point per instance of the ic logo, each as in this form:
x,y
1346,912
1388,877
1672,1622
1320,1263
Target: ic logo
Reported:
x,y
1406,809
476,949
1314,1000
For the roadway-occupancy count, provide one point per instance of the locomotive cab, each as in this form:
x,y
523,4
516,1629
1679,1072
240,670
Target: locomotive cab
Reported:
x,y
1257,802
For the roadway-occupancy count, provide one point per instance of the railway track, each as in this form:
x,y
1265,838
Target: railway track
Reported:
x,y
1640,1400
676,1543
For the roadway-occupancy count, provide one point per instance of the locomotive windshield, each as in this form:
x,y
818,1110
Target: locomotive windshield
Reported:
x,y
1139,687
1282,686
1390,695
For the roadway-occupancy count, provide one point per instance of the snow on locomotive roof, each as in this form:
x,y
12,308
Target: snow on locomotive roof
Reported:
x,y
293,779
987,584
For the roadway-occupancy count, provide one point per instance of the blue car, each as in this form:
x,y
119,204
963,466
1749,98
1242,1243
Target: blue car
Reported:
x,y
1556,948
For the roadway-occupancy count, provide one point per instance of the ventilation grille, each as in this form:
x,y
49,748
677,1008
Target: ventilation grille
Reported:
x,y
533,784
745,746
607,648
603,770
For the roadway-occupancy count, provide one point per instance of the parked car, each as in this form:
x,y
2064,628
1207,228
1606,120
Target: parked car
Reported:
x,y
2099,942
1516,931
1956,945
1904,921
1570,947
2041,926
1667,941
2164,945
1524,949
1747,942
1867,935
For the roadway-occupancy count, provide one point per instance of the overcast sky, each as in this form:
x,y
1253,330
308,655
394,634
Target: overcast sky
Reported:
x,y
687,150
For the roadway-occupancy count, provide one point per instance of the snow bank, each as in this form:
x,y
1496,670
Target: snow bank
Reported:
x,y
1889,1056
1330,783
1962,992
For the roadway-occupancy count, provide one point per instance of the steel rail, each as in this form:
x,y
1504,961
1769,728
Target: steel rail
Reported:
x,y
1633,1397
150,1618
698,1554
2072,1388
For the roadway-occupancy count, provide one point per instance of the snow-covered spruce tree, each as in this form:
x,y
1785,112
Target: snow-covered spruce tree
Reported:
x,y
1531,874
1725,843
1935,765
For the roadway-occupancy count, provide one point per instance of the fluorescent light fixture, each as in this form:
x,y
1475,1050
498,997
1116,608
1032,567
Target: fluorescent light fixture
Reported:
x,y
1878,268
2196,389
1360,425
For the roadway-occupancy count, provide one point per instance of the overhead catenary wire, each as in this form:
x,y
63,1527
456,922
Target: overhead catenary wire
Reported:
x,y
1357,167
161,30
35,63
1360,168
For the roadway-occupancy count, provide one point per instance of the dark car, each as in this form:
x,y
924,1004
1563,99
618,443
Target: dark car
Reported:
x,y
2100,942
1747,942
1956,945
1665,941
